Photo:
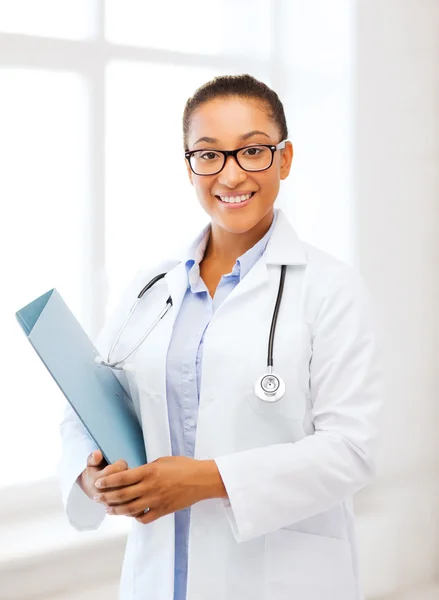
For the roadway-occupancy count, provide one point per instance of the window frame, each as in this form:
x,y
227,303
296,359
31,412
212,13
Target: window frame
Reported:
x,y
89,57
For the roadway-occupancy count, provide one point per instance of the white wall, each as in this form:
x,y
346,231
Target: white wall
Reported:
x,y
314,69
397,235
360,82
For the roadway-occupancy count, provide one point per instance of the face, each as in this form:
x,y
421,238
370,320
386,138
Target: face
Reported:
x,y
232,123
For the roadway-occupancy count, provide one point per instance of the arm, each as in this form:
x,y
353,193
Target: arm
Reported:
x,y
83,513
279,485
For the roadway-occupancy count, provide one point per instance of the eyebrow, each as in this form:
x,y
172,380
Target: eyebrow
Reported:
x,y
246,136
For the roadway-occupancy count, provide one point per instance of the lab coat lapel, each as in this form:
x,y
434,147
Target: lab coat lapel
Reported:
x,y
283,248
152,383
177,282
177,279
257,277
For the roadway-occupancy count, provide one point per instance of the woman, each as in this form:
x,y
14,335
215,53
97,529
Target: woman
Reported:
x,y
247,498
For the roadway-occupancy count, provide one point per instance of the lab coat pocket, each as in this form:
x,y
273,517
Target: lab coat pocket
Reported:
x,y
286,407
308,566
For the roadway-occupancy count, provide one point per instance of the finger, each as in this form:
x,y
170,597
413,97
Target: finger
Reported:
x,y
130,509
95,459
120,495
116,467
152,515
140,514
120,479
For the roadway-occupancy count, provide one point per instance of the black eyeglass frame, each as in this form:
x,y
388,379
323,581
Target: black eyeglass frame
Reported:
x,y
234,153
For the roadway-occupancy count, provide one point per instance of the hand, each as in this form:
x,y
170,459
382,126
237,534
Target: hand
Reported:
x,y
164,486
97,467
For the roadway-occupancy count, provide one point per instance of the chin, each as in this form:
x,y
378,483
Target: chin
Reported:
x,y
238,223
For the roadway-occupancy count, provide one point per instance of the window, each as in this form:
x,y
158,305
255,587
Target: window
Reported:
x,y
143,145
45,195
70,19
226,28
88,90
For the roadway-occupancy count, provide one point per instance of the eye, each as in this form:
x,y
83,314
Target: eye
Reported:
x,y
253,151
207,155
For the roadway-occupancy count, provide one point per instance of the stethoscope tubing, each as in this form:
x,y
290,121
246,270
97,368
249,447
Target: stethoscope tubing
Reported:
x,y
275,315
265,382
116,364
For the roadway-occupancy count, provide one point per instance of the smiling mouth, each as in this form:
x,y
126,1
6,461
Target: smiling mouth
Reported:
x,y
237,199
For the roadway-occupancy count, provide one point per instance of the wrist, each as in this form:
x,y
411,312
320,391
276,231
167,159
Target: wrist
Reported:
x,y
79,480
212,483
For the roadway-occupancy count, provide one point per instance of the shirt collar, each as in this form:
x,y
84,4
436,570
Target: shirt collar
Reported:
x,y
242,265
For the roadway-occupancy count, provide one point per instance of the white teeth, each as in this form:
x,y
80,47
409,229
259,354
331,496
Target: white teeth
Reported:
x,y
235,199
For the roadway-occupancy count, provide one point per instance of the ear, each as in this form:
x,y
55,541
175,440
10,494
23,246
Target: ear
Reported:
x,y
189,171
286,160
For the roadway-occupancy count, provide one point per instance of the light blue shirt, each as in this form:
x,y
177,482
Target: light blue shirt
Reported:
x,y
183,371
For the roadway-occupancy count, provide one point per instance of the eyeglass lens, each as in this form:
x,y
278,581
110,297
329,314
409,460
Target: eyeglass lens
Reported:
x,y
252,158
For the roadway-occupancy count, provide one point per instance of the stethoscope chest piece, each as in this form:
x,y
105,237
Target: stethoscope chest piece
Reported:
x,y
270,387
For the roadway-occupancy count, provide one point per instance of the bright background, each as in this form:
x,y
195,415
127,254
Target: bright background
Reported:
x,y
91,99
91,126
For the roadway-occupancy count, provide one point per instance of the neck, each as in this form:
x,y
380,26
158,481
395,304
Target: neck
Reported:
x,y
226,247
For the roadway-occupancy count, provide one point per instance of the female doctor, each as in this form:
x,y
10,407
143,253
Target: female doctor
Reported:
x,y
254,452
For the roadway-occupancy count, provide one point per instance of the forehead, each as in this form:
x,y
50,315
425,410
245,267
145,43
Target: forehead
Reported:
x,y
227,119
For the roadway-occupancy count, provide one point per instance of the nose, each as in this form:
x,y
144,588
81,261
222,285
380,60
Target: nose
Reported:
x,y
232,174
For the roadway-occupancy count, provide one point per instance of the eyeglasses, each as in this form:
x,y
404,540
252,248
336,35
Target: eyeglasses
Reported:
x,y
258,157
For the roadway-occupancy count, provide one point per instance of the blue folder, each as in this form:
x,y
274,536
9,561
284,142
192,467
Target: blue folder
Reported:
x,y
93,391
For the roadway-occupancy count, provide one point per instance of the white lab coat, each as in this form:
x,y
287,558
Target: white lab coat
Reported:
x,y
290,468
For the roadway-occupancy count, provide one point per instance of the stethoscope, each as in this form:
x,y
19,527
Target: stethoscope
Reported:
x,y
270,387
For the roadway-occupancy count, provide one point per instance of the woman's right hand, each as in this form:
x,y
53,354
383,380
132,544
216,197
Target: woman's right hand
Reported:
x,y
97,467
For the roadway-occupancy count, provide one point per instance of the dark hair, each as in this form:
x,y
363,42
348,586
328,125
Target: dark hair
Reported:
x,y
242,86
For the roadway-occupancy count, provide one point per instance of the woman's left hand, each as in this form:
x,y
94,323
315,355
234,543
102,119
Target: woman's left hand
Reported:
x,y
163,486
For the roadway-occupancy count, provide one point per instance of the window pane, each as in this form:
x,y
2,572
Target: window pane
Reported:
x,y
150,204
43,153
224,27
69,19
317,37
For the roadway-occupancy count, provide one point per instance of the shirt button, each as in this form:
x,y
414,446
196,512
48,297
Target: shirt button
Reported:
x,y
190,377
191,422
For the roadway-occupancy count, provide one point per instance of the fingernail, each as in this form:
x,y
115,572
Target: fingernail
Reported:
x,y
96,498
98,483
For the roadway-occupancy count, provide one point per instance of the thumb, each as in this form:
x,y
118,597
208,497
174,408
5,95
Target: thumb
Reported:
x,y
95,458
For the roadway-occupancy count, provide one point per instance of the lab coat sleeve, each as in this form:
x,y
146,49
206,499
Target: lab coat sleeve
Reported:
x,y
82,512
276,486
